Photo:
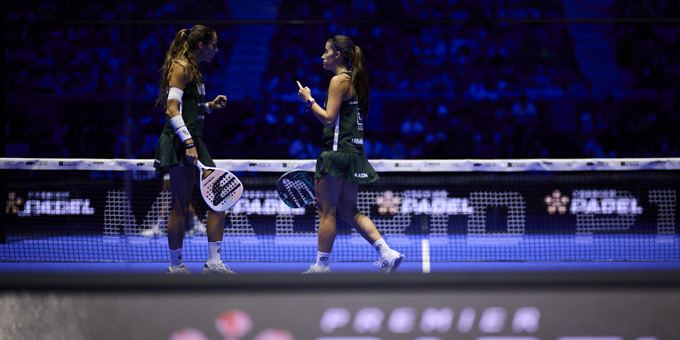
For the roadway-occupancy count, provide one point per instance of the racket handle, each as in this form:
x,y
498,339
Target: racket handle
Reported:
x,y
201,168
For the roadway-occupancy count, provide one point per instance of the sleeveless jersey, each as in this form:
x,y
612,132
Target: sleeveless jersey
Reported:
x,y
170,149
342,151
347,134
192,109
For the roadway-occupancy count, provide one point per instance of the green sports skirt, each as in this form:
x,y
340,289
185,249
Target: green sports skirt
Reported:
x,y
170,152
347,166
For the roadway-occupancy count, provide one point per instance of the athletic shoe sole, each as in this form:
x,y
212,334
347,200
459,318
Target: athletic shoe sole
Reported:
x,y
396,264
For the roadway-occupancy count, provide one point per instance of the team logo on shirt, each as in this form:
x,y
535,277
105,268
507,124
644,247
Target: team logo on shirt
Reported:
x,y
360,120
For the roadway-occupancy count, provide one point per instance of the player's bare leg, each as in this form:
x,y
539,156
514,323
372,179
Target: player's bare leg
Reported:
x,y
181,185
327,193
390,259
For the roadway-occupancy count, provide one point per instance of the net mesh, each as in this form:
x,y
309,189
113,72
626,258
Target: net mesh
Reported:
x,y
113,214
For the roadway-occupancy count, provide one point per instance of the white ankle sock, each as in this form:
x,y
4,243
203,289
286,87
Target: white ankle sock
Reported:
x,y
214,250
175,257
382,247
322,259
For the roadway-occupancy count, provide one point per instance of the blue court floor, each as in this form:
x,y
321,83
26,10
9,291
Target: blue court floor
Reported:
x,y
448,254
338,267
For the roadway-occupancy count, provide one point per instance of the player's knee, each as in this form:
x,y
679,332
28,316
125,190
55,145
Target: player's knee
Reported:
x,y
218,214
347,214
327,211
181,207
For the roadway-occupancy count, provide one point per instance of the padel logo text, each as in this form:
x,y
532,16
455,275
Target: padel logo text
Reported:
x,y
442,320
428,202
593,202
263,202
55,203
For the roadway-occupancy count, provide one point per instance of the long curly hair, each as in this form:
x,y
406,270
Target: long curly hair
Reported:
x,y
183,48
359,79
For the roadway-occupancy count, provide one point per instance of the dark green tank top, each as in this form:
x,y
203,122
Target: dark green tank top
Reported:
x,y
347,134
192,109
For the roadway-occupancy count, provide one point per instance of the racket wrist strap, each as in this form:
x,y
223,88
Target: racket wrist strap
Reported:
x,y
189,145
181,130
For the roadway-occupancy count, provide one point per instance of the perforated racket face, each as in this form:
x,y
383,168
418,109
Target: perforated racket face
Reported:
x,y
296,188
221,190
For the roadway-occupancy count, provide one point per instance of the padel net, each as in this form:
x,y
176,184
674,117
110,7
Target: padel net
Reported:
x,y
431,210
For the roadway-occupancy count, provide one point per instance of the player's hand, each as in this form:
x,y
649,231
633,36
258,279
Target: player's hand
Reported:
x,y
219,102
192,155
304,93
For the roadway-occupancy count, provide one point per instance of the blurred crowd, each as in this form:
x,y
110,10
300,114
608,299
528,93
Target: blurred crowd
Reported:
x,y
448,80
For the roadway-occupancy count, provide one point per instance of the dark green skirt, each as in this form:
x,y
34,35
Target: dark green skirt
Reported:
x,y
170,152
347,166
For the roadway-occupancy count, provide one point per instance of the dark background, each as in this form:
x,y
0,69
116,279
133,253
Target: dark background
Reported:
x,y
91,306
447,77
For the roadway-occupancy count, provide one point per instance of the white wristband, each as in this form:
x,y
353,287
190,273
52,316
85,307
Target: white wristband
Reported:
x,y
175,93
183,133
177,122
181,130
207,108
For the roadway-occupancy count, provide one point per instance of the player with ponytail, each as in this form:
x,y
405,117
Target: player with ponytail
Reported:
x,y
342,164
181,144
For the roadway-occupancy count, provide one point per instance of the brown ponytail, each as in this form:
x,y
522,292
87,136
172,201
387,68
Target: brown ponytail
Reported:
x,y
359,80
183,48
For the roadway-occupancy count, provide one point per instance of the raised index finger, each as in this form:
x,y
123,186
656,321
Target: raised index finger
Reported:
x,y
299,85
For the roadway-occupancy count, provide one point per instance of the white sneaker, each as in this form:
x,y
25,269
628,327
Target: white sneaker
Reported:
x,y
316,269
217,269
181,269
154,231
390,263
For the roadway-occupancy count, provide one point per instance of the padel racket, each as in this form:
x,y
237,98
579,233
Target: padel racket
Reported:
x,y
221,189
296,188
